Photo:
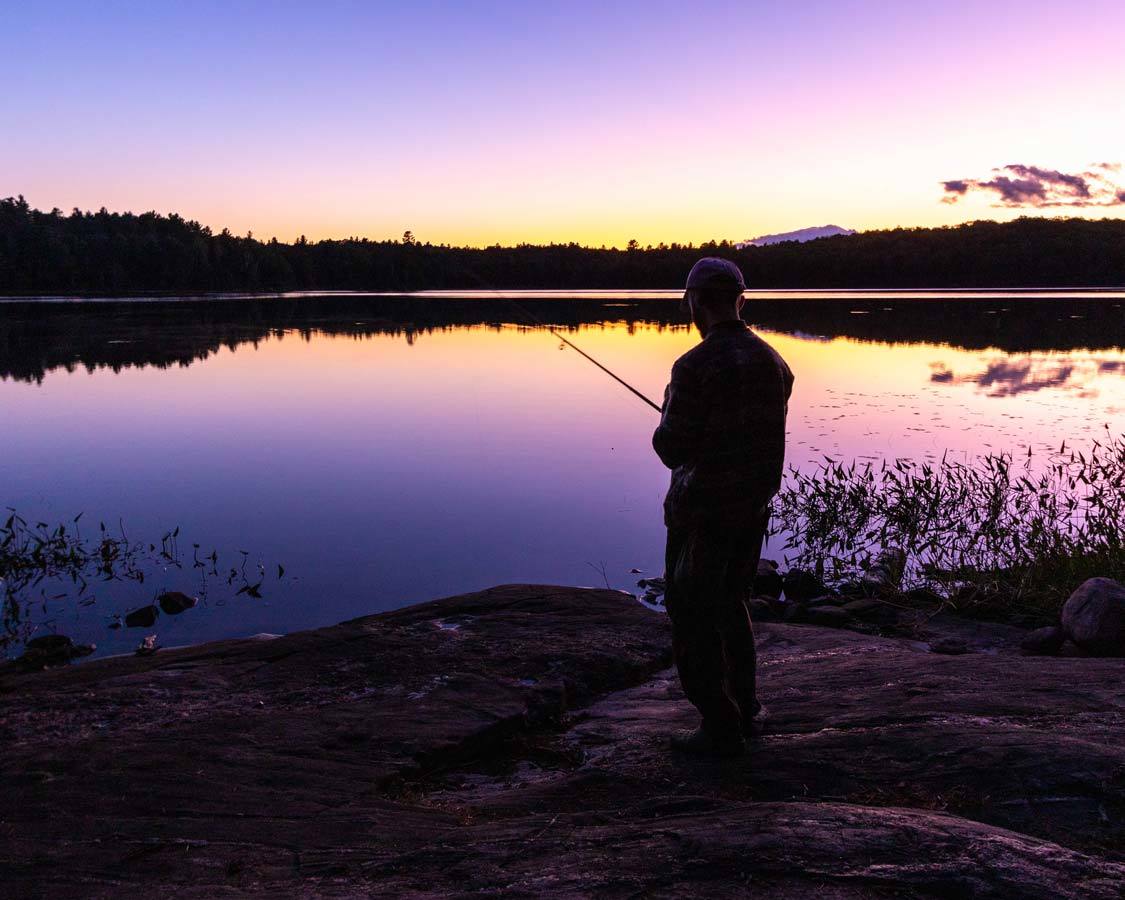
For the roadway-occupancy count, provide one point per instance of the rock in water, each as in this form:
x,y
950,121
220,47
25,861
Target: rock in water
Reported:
x,y
173,602
51,650
767,582
51,643
655,588
1043,641
141,618
1094,617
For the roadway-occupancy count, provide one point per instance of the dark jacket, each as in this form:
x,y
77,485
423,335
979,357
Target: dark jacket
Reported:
x,y
722,429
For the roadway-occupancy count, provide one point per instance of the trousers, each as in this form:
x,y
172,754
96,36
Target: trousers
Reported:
x,y
709,568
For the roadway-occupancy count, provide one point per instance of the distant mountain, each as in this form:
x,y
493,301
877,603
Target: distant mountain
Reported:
x,y
804,234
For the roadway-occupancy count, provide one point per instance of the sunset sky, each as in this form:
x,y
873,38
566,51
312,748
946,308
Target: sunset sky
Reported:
x,y
477,123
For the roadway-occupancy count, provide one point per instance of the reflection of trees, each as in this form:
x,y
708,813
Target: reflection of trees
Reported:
x,y
1012,325
35,338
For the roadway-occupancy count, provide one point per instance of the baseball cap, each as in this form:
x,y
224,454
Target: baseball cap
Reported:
x,y
713,270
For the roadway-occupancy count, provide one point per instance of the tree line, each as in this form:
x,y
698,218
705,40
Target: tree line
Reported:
x,y
105,252
36,338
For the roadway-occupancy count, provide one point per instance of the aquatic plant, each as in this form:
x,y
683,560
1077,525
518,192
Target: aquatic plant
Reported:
x,y
995,531
43,567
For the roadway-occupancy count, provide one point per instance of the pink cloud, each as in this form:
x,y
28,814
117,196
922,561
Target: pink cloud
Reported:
x,y
1019,185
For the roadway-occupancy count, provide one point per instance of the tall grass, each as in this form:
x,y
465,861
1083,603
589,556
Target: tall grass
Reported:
x,y
1015,533
46,569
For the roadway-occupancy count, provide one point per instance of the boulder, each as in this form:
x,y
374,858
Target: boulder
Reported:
x,y
863,607
923,597
50,643
950,646
983,598
854,590
827,600
801,586
518,757
887,569
51,650
1094,617
144,617
828,616
1043,641
768,581
173,602
655,588
870,610
761,610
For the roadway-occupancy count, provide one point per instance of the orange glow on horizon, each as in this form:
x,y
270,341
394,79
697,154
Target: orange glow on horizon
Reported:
x,y
481,126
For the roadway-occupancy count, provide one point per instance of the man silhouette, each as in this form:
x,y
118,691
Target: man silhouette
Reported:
x,y
722,433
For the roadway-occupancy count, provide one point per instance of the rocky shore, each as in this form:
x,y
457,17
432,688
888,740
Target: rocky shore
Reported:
x,y
514,742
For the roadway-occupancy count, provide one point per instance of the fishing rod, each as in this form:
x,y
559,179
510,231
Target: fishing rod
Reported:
x,y
579,350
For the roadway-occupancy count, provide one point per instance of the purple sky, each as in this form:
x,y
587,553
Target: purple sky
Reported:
x,y
595,122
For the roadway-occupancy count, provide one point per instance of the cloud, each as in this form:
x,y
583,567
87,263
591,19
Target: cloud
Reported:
x,y
1076,184
1017,191
1008,377
954,190
1018,185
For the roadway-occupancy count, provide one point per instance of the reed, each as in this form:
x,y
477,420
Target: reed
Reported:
x,y
996,532
45,569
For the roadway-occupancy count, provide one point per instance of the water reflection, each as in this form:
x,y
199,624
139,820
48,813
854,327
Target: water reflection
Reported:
x,y
36,338
1007,377
390,450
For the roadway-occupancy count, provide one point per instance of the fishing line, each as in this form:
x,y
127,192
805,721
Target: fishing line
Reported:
x,y
579,350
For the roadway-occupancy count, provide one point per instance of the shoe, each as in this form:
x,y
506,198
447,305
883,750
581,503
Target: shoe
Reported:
x,y
757,726
700,743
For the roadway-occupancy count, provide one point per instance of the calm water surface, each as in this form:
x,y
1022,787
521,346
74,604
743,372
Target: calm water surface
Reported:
x,y
391,450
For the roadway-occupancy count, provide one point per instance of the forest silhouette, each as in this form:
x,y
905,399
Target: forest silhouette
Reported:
x,y
36,338
104,252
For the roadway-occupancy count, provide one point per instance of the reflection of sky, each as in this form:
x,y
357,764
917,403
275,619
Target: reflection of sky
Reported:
x,y
383,473
1005,376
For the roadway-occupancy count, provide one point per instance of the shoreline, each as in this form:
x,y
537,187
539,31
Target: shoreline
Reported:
x,y
513,740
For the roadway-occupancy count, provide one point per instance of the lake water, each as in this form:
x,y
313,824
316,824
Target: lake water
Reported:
x,y
388,450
